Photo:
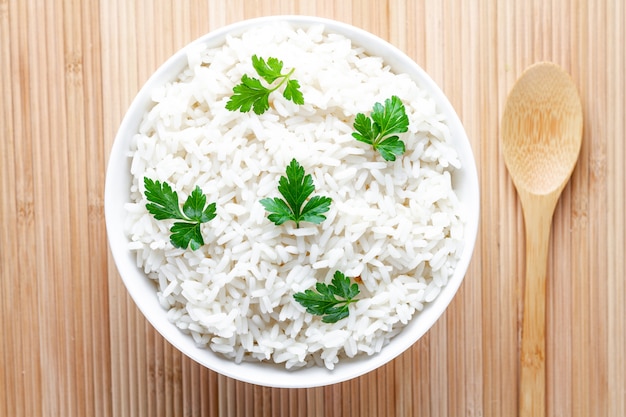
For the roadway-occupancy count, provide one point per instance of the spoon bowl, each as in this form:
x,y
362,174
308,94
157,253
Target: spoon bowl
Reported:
x,y
542,129
541,139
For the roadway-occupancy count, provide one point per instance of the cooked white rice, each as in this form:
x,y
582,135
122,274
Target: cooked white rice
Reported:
x,y
396,225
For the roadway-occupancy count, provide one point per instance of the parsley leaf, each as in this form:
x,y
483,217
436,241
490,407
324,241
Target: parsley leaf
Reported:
x,y
296,188
270,71
292,92
330,301
163,205
252,94
379,130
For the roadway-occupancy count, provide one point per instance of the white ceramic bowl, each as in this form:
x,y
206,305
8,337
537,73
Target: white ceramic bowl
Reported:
x,y
142,290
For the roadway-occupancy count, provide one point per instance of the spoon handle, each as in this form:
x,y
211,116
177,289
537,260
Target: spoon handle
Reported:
x,y
532,396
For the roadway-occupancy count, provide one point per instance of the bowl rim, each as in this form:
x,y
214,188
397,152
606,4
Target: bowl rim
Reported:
x,y
259,373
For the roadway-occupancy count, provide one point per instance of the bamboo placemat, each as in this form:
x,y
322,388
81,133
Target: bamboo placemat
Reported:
x,y
73,343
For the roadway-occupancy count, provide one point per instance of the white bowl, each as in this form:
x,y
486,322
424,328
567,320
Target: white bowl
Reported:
x,y
142,289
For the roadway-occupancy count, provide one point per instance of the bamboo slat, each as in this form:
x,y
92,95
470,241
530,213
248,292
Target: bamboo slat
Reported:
x,y
72,343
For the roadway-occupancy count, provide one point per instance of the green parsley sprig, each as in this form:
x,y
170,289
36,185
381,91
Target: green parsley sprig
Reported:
x,y
252,94
163,205
329,301
296,187
379,130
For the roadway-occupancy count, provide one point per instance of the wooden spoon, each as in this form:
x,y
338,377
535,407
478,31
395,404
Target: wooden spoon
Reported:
x,y
541,138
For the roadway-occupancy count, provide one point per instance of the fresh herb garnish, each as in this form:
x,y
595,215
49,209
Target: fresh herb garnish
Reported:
x,y
330,301
164,205
383,122
252,94
296,188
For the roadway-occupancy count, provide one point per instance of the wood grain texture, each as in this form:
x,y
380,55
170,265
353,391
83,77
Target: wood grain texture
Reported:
x,y
72,343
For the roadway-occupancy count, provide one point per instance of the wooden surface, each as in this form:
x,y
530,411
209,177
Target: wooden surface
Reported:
x,y
73,343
